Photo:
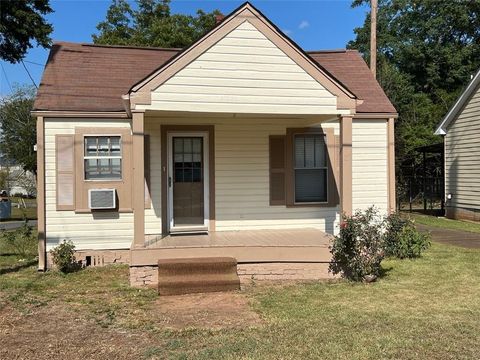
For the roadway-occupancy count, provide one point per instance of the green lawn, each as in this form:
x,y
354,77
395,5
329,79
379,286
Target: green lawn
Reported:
x,y
421,309
446,223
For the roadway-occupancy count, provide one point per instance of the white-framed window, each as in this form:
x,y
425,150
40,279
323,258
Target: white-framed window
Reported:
x,y
310,168
103,157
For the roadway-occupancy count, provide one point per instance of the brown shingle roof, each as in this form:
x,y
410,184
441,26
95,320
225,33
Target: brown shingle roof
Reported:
x,y
351,70
86,77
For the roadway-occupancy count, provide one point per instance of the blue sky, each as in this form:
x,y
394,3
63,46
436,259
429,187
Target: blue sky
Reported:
x,y
314,25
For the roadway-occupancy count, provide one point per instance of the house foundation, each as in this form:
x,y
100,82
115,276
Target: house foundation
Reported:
x,y
147,276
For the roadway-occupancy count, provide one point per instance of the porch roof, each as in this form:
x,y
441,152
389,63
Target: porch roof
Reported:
x,y
93,78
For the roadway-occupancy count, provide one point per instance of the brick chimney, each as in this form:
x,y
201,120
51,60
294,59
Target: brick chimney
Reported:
x,y
219,18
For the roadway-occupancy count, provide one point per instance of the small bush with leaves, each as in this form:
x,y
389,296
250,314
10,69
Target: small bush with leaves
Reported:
x,y
64,257
358,250
21,241
402,239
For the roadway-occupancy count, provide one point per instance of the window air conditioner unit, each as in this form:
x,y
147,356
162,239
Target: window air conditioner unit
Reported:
x,y
102,199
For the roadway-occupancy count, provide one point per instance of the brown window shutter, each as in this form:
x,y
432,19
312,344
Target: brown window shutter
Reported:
x,y
336,168
277,170
148,199
65,171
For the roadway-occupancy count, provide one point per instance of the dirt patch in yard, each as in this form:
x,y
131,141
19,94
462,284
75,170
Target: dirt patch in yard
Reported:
x,y
52,332
209,311
59,331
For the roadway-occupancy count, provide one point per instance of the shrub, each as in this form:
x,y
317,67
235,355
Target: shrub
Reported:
x,y
63,257
402,239
358,250
22,241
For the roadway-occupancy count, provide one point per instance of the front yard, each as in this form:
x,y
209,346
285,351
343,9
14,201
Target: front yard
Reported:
x,y
444,223
427,308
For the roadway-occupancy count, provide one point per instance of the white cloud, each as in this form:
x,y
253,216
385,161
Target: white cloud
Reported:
x,y
287,32
304,24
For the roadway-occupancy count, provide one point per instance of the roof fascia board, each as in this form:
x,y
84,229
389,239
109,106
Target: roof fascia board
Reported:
x,y
458,106
375,116
81,114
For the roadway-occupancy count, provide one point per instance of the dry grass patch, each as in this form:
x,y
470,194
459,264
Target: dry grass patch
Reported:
x,y
424,308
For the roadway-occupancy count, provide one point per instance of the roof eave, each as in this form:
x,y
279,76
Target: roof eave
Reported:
x,y
455,109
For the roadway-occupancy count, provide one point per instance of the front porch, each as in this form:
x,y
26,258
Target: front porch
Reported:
x,y
248,246
295,254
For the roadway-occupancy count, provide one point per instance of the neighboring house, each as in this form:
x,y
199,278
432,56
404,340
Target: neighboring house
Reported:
x,y
461,130
17,181
242,136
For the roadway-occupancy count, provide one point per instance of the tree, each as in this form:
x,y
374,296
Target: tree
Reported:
x,y
435,43
427,51
18,129
21,23
151,24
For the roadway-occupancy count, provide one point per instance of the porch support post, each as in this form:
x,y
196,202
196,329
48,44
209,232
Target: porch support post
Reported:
x,y
346,165
42,254
138,180
391,165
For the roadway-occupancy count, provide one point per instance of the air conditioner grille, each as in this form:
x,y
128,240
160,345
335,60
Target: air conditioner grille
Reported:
x,y
102,199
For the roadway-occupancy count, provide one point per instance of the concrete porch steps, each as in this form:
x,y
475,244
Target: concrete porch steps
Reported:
x,y
196,275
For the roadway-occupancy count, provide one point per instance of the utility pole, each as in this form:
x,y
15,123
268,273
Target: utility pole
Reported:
x,y
373,37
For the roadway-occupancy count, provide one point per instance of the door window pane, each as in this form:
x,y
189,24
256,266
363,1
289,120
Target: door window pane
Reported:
x,y
188,160
187,145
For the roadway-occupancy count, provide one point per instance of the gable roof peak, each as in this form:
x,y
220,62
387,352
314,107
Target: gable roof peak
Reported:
x,y
458,106
245,12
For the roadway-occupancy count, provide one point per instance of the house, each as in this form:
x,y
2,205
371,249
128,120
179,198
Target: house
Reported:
x,y
242,145
17,181
460,128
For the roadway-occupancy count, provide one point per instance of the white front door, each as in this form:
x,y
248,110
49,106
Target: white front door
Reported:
x,y
188,181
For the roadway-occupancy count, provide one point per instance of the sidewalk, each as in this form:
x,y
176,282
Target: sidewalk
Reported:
x,y
11,225
460,238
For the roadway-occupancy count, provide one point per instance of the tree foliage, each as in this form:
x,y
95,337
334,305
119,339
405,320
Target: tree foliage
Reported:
x,y
427,51
151,23
21,23
18,129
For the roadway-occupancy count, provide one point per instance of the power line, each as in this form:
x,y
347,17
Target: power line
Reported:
x,y
34,63
6,78
28,72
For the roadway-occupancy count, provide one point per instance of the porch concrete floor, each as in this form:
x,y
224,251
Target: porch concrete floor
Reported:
x,y
245,238
248,246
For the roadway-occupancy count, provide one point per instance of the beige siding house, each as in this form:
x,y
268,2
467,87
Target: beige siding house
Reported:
x,y
461,129
241,145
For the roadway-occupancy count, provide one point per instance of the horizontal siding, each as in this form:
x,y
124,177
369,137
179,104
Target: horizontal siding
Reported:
x,y
242,185
462,156
244,73
370,164
153,216
87,231
242,177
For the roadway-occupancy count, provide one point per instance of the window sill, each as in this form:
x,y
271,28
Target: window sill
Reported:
x,y
314,205
103,180
90,211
